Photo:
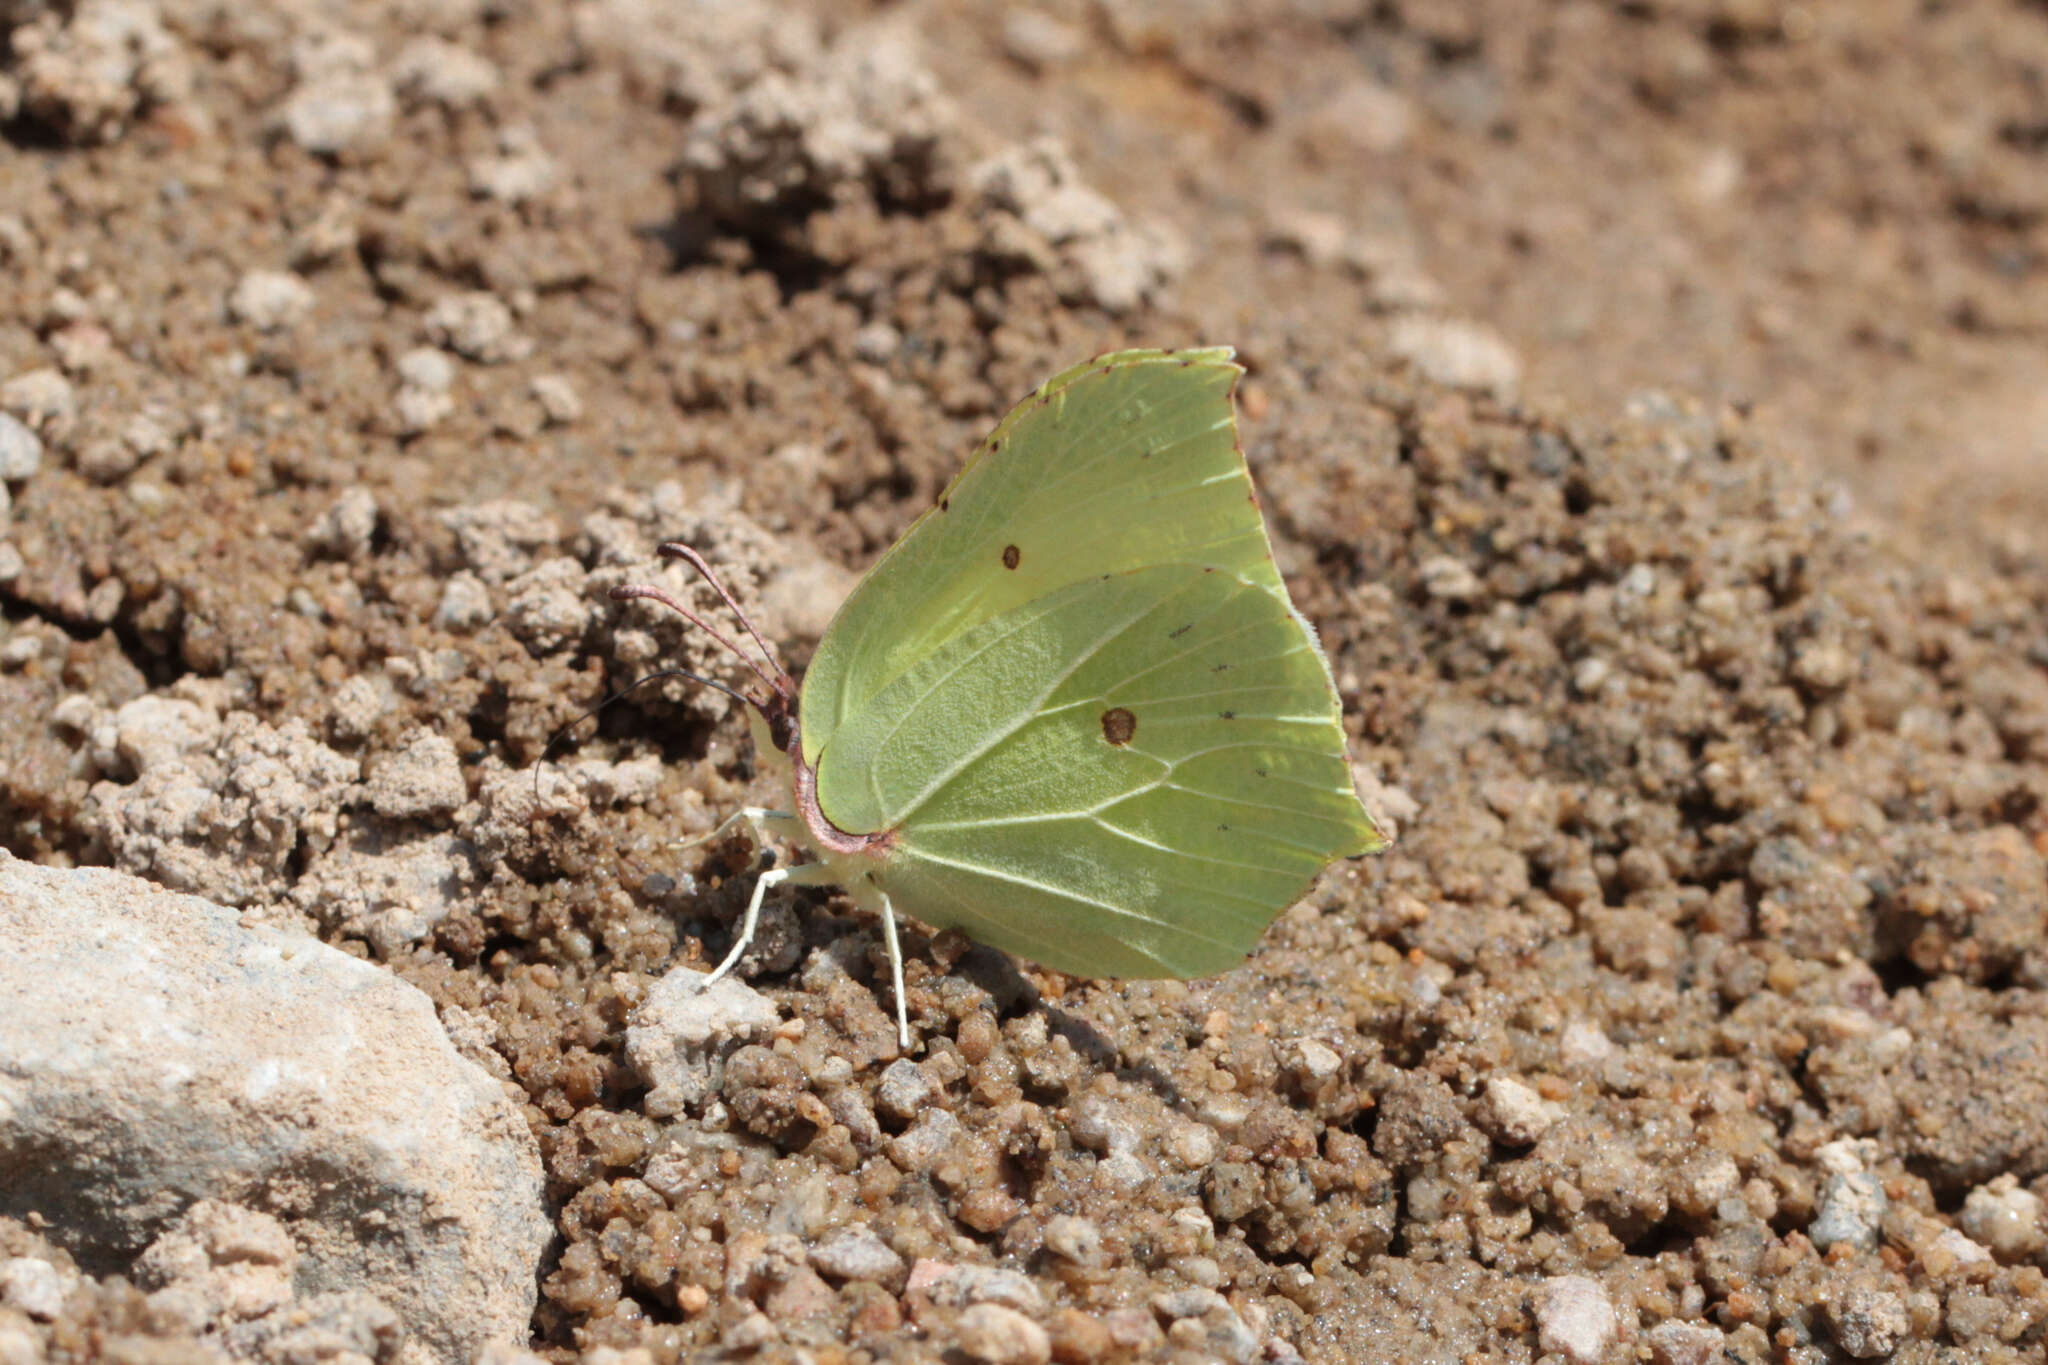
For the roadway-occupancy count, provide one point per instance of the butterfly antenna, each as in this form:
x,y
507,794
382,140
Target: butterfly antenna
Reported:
x,y
630,687
675,549
627,592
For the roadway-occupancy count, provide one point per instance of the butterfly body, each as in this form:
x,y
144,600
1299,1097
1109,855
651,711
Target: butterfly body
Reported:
x,y
1072,712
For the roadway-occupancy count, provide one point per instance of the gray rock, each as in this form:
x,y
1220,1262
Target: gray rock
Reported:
x,y
156,1052
857,1253
1003,1336
904,1090
678,1037
21,450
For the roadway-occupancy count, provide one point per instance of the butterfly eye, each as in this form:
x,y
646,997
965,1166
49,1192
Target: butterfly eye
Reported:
x,y
1010,556
1119,726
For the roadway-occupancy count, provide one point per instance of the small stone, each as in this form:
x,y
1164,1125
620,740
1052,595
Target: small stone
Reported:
x,y
1076,1239
1583,1044
1455,353
1318,1060
1363,117
270,300
420,410
11,567
521,170
106,461
465,603
1868,1322
877,343
348,526
1079,1338
1684,1343
433,70
343,113
557,398
904,1090
1003,1336
355,708
1035,39
1448,579
1188,1303
426,368
1514,1114
1574,1318
926,1142
750,1333
1851,1210
477,325
674,1038
2005,1218
988,1210
32,1285
44,400
423,779
856,1253
21,450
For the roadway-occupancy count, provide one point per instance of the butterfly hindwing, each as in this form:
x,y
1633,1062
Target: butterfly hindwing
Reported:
x,y
1129,776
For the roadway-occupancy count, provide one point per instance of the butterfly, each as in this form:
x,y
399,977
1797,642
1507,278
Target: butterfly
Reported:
x,y
1072,712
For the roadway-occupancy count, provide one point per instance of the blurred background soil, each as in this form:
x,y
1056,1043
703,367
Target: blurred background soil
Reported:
x,y
1650,402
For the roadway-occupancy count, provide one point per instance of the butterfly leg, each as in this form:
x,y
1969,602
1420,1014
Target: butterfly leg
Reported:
x,y
803,874
758,818
895,971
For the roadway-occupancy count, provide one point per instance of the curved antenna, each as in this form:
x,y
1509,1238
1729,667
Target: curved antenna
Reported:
x,y
629,592
563,733
675,549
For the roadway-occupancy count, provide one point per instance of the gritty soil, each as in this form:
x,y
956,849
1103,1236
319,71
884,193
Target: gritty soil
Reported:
x,y
1647,401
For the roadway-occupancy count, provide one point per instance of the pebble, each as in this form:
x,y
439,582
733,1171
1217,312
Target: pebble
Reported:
x,y
1515,1114
1037,40
43,399
465,603
269,300
557,398
343,113
1448,579
1684,1343
904,1090
1851,1210
477,325
32,1285
856,1253
21,450
1574,1318
1456,353
1073,1238
423,778
426,368
2004,1218
1003,1336
1868,1322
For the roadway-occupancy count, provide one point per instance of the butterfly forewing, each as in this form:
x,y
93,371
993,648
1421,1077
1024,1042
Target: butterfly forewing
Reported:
x,y
1127,461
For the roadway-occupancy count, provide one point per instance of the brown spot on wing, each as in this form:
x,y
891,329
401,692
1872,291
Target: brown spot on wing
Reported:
x,y
1011,554
1119,726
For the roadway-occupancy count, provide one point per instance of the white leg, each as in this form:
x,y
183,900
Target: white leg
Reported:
x,y
760,818
896,972
740,945
803,874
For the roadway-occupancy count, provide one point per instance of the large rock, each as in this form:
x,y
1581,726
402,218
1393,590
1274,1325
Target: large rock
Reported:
x,y
155,1052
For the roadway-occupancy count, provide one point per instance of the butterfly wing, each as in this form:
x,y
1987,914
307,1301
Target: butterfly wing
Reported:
x,y
1128,460
1128,776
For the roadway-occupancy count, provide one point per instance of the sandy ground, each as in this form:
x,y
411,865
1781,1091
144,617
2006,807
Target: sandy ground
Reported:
x,y
1648,405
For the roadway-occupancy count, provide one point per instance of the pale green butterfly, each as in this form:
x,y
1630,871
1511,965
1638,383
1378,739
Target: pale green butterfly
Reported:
x,y
1072,713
